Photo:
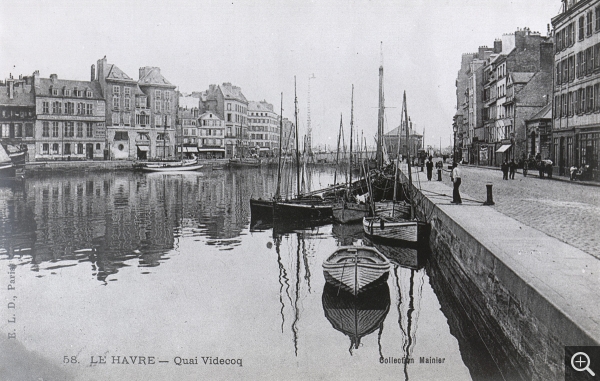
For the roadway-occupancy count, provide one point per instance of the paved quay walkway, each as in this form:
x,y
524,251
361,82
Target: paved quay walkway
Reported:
x,y
566,277
563,209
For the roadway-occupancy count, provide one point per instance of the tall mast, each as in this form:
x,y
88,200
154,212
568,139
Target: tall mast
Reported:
x,y
297,150
381,115
409,191
337,155
397,165
308,147
280,135
351,128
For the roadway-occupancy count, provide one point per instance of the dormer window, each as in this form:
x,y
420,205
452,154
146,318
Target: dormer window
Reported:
x,y
54,91
88,94
67,92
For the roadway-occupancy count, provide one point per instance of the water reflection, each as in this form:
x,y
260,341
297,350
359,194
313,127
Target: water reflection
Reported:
x,y
115,220
356,315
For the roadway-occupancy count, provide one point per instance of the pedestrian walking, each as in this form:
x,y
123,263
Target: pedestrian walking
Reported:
x,y
573,171
429,165
456,177
511,169
504,168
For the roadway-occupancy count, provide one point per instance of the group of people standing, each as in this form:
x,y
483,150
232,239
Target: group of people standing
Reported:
x,y
508,170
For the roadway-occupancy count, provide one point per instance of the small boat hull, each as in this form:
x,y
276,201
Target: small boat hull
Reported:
x,y
395,230
170,168
349,212
261,210
301,211
356,268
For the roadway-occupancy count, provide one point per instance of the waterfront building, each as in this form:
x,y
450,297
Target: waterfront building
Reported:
x,y
230,105
141,114
493,129
395,137
187,126
70,119
211,136
17,115
263,126
576,110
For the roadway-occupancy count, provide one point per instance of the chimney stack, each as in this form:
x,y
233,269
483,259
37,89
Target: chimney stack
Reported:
x,y
11,87
93,73
53,77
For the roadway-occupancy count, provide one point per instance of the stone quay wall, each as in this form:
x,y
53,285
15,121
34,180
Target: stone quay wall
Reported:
x,y
527,294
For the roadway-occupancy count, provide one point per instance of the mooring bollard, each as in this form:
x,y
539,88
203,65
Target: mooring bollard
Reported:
x,y
490,198
439,175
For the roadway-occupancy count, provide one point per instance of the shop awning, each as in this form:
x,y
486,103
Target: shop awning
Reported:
x,y
143,148
211,149
503,148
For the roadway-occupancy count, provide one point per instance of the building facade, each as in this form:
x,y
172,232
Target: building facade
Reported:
x,y
576,106
70,119
17,116
211,136
230,105
494,99
140,115
186,140
263,126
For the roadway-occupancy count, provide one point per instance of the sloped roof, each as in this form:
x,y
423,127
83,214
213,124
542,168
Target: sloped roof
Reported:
x,y
520,77
544,113
43,86
394,133
260,106
153,77
22,96
232,92
111,71
207,114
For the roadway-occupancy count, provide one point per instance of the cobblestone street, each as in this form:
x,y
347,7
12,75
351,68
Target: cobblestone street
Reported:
x,y
568,211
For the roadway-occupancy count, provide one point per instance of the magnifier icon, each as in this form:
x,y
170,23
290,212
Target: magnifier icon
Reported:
x,y
581,358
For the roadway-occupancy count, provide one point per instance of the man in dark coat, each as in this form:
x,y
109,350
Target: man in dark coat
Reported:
x,y
429,165
504,168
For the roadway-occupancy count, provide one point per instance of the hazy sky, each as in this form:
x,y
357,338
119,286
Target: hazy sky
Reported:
x,y
261,45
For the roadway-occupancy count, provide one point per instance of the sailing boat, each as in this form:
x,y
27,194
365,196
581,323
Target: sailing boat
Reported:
x,y
346,211
301,209
396,229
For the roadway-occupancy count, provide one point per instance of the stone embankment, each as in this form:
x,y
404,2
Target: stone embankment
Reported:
x,y
528,294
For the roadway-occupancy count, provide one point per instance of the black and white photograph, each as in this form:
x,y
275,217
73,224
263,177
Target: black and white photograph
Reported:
x,y
299,190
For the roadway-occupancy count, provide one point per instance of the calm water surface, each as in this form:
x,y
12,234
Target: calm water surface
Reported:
x,y
167,265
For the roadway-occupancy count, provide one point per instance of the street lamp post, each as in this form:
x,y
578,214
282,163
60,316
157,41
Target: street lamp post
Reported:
x,y
455,129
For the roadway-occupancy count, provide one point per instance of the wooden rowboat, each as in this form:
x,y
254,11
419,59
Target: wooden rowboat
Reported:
x,y
394,229
356,268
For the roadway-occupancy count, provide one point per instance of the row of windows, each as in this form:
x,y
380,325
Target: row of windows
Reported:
x,y
17,113
16,130
212,142
578,65
211,123
189,131
78,148
69,109
142,119
581,101
70,129
68,93
209,132
238,108
583,26
264,121
264,128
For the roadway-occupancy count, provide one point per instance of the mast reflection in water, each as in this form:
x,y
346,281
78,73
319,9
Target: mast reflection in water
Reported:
x,y
173,261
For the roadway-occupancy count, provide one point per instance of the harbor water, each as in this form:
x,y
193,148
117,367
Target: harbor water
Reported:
x,y
125,276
